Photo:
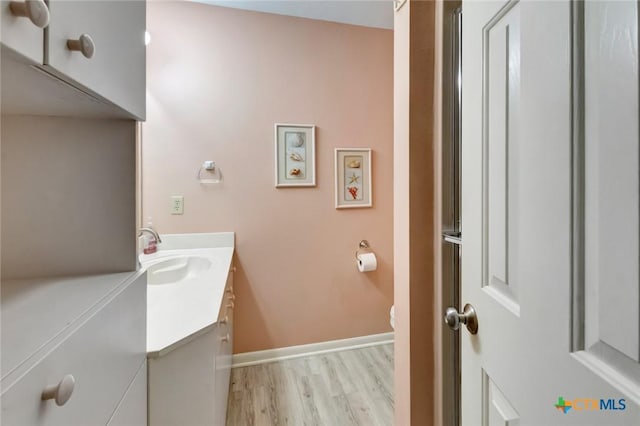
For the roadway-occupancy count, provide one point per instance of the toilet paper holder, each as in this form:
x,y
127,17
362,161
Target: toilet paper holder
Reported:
x,y
363,245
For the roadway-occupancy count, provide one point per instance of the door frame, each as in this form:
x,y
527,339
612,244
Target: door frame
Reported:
x,y
417,228
450,210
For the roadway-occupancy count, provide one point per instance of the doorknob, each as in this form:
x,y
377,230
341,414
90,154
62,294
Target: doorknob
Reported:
x,y
468,317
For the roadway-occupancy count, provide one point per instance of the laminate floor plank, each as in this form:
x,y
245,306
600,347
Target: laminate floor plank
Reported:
x,y
376,365
371,390
364,411
346,388
364,370
344,375
325,403
246,415
309,405
293,400
278,395
344,412
330,374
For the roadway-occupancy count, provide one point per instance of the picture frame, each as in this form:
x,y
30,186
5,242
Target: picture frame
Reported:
x,y
295,151
353,178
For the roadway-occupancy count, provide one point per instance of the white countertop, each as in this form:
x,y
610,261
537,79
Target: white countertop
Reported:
x,y
178,312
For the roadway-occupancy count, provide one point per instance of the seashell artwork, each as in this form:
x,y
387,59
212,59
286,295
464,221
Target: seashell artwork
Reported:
x,y
353,190
352,177
295,149
295,139
295,156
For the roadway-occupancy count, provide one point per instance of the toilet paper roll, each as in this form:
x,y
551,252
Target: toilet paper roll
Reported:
x,y
367,262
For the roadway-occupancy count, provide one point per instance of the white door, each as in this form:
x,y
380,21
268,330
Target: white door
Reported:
x,y
550,213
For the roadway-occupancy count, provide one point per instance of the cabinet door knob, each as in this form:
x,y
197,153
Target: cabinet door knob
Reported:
x,y
226,338
84,45
36,10
230,305
60,392
224,320
232,297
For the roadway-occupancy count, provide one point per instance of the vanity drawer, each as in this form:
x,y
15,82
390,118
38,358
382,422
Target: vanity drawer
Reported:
x,y
103,354
228,298
132,410
224,329
224,351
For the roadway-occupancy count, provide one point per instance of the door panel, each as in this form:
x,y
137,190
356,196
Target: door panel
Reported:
x,y
500,157
523,262
611,304
611,180
497,408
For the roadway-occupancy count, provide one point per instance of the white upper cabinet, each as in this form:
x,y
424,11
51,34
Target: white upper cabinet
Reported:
x,y
111,57
21,33
96,46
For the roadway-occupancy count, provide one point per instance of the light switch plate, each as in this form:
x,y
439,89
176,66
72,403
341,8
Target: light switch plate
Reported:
x,y
177,204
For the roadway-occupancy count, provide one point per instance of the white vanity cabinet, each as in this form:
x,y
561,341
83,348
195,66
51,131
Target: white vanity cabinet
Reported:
x,y
132,410
224,352
189,381
96,47
92,350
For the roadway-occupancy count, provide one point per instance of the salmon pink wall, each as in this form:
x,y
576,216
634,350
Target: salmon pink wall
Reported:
x,y
217,81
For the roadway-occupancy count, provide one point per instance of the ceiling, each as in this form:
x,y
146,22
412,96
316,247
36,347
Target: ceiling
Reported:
x,y
368,13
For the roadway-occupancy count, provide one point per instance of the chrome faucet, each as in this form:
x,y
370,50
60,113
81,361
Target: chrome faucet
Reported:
x,y
150,231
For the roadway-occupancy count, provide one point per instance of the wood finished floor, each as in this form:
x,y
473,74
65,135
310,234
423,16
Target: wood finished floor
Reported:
x,y
353,387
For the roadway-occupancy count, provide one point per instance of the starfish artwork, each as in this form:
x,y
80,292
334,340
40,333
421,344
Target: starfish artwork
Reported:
x,y
353,178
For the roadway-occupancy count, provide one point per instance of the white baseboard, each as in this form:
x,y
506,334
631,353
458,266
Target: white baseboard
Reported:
x,y
279,354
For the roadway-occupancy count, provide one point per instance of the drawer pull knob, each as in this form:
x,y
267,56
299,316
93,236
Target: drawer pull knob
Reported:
x,y
226,338
224,320
36,10
83,45
232,297
60,392
234,269
230,305
229,290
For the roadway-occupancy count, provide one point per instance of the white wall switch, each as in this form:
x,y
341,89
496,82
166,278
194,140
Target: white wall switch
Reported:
x,y
177,204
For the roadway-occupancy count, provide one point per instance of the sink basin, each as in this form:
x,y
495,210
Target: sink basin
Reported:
x,y
177,269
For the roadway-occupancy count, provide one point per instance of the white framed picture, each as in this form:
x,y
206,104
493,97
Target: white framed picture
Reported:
x,y
353,178
295,155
